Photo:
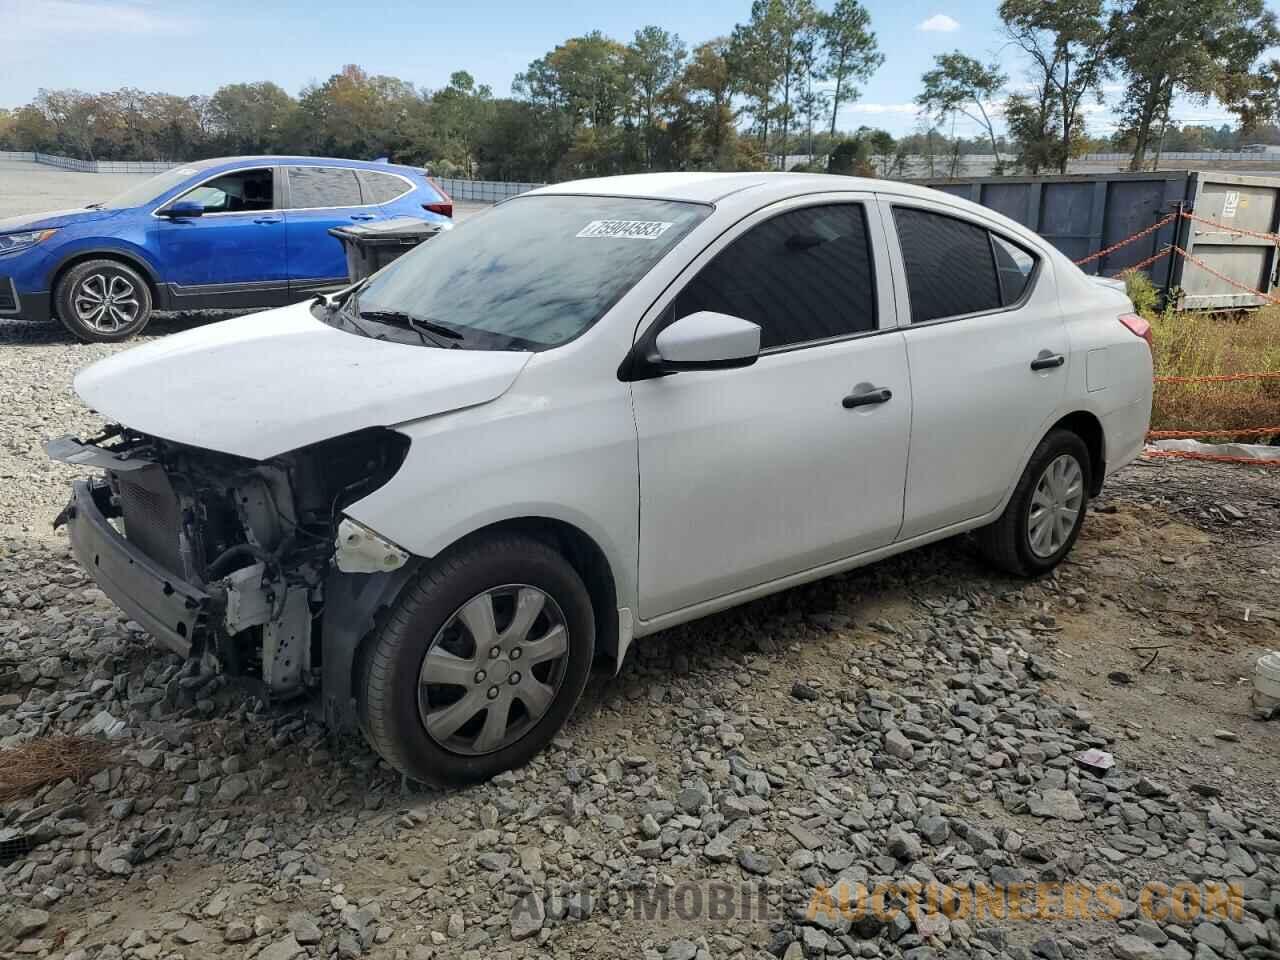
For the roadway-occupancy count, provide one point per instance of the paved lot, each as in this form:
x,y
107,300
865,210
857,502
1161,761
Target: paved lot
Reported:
x,y
32,188
910,722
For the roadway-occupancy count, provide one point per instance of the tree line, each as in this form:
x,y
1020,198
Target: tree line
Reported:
x,y
771,87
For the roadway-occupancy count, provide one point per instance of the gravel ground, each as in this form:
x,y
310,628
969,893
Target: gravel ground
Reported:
x,y
911,722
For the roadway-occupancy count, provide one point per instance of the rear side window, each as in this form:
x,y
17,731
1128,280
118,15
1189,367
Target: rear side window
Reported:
x,y
323,187
380,187
1015,266
801,276
951,270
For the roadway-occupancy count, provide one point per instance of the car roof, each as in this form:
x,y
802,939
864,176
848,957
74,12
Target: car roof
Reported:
x,y
276,160
712,187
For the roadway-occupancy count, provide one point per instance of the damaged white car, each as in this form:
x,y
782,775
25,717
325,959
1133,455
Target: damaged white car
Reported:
x,y
601,409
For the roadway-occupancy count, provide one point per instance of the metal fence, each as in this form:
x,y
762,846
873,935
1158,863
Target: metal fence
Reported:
x,y
1186,155
89,166
484,191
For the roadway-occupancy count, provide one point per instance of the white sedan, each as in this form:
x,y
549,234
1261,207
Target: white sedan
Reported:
x,y
599,410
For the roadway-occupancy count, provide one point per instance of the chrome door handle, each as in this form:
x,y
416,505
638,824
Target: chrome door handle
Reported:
x,y
880,395
1048,361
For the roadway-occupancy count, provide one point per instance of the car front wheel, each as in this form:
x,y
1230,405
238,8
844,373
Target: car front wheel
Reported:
x,y
103,301
479,663
1044,516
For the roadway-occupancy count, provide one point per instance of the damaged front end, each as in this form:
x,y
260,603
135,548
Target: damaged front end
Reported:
x,y
227,559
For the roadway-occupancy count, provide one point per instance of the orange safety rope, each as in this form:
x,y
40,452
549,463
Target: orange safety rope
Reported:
x,y
1224,278
1220,378
1225,432
1273,237
1210,457
1164,221
1143,264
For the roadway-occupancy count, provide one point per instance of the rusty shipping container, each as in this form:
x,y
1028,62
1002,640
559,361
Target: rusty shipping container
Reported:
x,y
1082,214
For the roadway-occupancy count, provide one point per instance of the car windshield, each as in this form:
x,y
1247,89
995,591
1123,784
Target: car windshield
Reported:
x,y
149,189
531,274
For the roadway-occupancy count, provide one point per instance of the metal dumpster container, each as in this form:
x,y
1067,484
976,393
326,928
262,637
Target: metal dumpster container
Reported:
x,y
371,246
1083,214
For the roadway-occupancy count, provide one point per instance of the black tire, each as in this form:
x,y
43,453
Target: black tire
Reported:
x,y
87,283
1006,544
388,685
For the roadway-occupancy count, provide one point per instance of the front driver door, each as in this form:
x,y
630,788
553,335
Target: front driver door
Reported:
x,y
754,474
233,255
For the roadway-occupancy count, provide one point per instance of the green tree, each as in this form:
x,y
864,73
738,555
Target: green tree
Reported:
x,y
708,85
961,84
1200,49
458,114
653,61
251,117
1067,43
852,52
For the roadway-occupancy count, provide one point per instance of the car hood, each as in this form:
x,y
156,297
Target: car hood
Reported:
x,y
53,218
267,383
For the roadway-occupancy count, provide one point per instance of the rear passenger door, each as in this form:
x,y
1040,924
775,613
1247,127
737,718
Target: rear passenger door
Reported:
x,y
988,352
750,475
321,198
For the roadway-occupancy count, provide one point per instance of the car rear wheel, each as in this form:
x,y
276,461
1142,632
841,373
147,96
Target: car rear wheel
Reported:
x,y
103,301
479,663
1044,516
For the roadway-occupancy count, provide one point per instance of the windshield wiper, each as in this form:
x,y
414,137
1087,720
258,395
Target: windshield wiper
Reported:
x,y
95,206
451,338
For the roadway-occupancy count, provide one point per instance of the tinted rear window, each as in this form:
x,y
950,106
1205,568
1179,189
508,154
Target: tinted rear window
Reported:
x,y
950,268
323,187
380,187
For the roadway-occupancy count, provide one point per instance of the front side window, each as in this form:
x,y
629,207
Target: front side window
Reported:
x,y
530,274
311,187
951,270
802,276
380,187
243,191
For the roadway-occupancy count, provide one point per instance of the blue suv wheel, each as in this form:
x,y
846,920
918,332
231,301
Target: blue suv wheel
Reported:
x,y
103,301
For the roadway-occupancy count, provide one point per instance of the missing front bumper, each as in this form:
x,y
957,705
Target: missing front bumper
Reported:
x,y
168,608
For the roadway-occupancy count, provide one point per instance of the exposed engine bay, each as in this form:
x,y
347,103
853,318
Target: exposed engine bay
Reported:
x,y
224,558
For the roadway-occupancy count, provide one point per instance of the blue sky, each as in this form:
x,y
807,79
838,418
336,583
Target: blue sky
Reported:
x,y
181,46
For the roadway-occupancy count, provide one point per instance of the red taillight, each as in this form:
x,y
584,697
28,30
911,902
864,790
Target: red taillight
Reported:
x,y
1138,327
445,206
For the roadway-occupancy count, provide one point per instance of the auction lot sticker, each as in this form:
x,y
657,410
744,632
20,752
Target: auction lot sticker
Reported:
x,y
625,229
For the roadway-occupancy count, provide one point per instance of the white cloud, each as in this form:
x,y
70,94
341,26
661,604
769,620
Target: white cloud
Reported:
x,y
939,23
128,17
860,107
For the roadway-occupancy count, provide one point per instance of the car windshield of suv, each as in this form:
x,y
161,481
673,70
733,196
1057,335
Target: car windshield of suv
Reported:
x,y
531,274
149,189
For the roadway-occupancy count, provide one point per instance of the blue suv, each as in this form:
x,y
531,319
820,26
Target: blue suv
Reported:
x,y
225,233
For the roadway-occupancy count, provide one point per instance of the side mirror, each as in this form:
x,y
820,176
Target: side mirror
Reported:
x,y
182,210
706,341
